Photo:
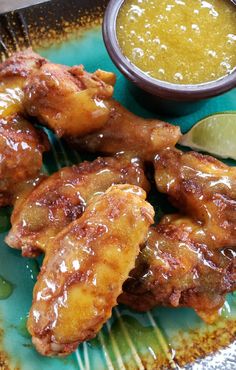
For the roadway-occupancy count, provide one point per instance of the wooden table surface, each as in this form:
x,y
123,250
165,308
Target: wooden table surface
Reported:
x,y
6,5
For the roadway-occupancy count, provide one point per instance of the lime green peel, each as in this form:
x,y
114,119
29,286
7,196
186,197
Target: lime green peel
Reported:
x,y
215,134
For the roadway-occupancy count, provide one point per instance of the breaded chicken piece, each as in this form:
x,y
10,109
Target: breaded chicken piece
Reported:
x,y
127,132
13,73
189,261
78,105
203,188
70,101
84,269
21,150
21,145
62,198
21,64
177,267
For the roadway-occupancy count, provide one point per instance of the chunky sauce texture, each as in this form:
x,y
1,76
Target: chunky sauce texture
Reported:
x,y
179,41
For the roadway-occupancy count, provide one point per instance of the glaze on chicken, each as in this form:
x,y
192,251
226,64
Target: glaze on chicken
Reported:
x,y
79,105
126,132
189,260
21,145
13,73
21,155
62,198
202,187
70,101
91,236
84,269
177,267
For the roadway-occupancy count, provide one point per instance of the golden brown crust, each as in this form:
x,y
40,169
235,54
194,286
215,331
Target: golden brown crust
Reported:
x,y
62,198
21,148
13,73
202,187
70,101
127,132
176,268
21,145
21,64
89,259
189,260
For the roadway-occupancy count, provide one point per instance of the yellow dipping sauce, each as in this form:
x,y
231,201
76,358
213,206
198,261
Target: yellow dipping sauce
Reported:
x,y
179,41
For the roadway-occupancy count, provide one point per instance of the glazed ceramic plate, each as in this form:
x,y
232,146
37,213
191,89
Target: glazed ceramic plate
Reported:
x,y
69,32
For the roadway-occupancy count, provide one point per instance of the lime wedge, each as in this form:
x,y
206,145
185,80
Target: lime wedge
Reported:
x,y
215,134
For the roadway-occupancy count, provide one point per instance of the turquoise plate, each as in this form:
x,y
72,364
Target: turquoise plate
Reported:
x,y
69,32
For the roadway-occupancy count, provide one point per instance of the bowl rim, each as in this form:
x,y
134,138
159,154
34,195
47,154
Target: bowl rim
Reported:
x,y
154,86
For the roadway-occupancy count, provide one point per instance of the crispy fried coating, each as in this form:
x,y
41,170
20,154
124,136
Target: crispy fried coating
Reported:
x,y
70,101
84,269
177,267
75,104
127,132
189,261
21,148
13,73
21,145
62,198
202,187
21,64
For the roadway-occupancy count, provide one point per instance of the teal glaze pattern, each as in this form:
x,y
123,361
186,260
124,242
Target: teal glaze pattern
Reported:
x,y
129,340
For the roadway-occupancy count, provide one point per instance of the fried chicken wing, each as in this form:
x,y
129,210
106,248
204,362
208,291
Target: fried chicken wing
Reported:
x,y
70,101
13,73
21,148
84,269
76,104
127,132
177,268
21,145
187,260
62,198
20,65
202,187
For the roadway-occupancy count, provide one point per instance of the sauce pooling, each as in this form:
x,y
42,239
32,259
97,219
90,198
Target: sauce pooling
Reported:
x,y
179,41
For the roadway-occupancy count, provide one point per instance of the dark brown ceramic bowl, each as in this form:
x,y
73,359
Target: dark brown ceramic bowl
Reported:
x,y
157,91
